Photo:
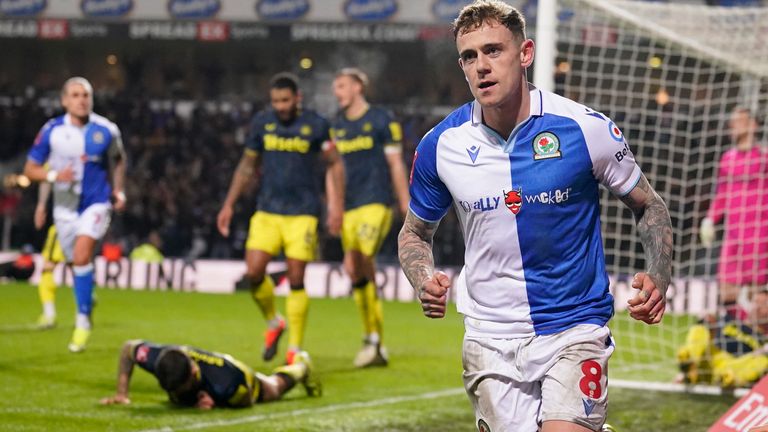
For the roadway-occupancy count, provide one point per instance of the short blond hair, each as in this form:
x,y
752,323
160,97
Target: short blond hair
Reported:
x,y
482,12
77,80
356,74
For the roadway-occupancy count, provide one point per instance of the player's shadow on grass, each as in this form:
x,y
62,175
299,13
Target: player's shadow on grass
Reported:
x,y
157,409
165,408
20,328
33,328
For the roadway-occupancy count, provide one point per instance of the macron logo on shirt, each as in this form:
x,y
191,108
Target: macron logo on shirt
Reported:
x,y
473,152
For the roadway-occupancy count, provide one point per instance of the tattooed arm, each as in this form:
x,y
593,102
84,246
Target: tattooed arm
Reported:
x,y
243,174
124,371
655,229
416,259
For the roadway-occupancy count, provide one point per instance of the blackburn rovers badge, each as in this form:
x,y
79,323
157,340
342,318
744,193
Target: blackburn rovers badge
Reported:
x,y
546,145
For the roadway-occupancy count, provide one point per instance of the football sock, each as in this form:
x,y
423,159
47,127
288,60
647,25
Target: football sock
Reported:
x,y
358,293
46,289
84,288
373,338
49,309
279,382
297,307
83,321
292,373
274,322
264,295
375,309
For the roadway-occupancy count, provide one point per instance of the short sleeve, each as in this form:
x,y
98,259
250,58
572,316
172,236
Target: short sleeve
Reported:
x,y
116,149
613,163
255,140
324,133
430,198
145,354
115,131
41,148
391,130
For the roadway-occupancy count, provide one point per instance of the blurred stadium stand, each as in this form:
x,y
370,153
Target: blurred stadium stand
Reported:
x,y
183,101
180,168
182,154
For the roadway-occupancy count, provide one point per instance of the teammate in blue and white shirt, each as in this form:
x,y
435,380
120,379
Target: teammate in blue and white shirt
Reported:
x,y
86,166
522,168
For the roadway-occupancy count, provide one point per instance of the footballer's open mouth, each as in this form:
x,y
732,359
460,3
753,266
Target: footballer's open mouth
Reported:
x,y
486,84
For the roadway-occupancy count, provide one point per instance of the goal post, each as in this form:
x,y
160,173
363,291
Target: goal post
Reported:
x,y
669,75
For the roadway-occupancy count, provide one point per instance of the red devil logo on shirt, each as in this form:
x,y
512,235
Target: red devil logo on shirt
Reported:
x,y
514,200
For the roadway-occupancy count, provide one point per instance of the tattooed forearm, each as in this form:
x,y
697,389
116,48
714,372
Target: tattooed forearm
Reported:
x,y
243,174
415,249
246,167
655,229
124,370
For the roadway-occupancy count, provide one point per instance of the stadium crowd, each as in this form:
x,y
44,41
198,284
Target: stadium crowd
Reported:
x,y
180,163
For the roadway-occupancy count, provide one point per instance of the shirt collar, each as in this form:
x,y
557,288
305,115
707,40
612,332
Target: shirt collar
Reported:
x,y
536,106
68,119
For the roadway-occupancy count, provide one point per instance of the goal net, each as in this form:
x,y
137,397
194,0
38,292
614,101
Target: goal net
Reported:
x,y
669,75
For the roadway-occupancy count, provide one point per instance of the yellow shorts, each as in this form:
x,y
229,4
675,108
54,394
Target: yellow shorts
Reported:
x,y
365,227
296,235
52,250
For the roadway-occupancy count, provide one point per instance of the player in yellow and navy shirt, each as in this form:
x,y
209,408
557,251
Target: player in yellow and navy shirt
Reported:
x,y
286,142
728,350
369,140
205,379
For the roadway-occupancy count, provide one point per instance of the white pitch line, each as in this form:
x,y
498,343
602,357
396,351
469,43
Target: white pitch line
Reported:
x,y
653,386
303,411
676,388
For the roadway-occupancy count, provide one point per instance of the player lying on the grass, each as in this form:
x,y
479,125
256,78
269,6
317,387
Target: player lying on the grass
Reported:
x,y
727,351
204,379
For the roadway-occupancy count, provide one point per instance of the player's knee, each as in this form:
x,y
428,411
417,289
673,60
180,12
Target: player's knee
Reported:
x,y
356,275
254,278
358,265
295,278
351,270
255,274
82,255
80,259
252,284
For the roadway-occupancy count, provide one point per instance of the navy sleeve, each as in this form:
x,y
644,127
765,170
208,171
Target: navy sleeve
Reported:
x,y
323,133
255,140
145,355
392,132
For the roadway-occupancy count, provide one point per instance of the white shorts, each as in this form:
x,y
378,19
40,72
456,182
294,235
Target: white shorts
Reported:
x,y
516,384
93,222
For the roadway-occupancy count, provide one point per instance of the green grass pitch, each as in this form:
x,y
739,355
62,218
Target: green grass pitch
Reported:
x,y
46,388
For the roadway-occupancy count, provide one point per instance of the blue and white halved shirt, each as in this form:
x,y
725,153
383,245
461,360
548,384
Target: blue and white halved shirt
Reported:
x,y
529,210
86,149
